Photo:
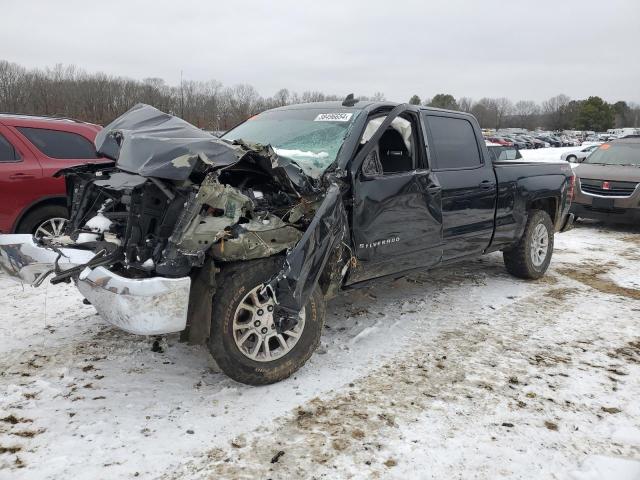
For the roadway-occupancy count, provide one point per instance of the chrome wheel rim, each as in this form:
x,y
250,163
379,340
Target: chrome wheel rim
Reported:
x,y
254,329
539,244
51,228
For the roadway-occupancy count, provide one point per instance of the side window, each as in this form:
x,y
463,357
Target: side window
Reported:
x,y
395,151
7,152
453,142
58,144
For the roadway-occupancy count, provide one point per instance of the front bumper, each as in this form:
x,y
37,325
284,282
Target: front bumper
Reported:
x,y
148,306
615,215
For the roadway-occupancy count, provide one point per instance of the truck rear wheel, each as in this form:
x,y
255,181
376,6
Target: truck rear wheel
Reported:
x,y
244,340
530,258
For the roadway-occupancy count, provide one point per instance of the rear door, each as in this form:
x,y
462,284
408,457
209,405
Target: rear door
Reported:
x,y
20,173
396,218
467,180
58,148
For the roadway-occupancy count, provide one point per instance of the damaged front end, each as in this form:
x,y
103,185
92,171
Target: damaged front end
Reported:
x,y
177,203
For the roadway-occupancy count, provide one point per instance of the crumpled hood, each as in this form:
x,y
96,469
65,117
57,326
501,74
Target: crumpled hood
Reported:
x,y
616,173
152,143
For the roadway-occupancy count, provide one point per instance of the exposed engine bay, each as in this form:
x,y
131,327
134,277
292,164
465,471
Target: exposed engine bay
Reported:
x,y
150,226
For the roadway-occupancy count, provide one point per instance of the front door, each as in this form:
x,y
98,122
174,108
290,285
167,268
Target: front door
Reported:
x,y
396,221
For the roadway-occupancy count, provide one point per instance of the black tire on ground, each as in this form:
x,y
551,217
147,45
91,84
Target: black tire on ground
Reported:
x,y
35,218
235,281
571,158
519,259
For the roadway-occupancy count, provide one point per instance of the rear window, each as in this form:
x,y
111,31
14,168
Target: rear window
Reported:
x,y
500,153
7,152
59,144
453,142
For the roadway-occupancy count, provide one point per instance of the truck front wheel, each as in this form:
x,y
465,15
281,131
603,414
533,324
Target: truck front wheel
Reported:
x,y
244,339
530,258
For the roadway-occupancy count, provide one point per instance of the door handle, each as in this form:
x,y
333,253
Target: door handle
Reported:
x,y
487,185
21,176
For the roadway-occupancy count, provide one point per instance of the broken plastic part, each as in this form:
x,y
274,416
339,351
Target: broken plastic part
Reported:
x,y
263,237
204,230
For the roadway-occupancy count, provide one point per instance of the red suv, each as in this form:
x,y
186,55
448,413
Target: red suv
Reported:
x,y
32,149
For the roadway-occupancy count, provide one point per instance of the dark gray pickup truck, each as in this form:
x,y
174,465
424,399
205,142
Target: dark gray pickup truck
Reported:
x,y
239,241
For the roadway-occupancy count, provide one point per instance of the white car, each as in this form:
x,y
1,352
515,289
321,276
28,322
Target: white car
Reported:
x,y
577,156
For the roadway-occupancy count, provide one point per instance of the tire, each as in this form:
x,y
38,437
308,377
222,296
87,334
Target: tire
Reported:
x,y
237,281
34,219
572,158
521,261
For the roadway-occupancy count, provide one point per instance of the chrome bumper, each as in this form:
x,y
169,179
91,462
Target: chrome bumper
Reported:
x,y
22,259
149,306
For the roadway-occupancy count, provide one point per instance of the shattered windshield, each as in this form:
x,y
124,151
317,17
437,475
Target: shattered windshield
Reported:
x,y
311,138
616,154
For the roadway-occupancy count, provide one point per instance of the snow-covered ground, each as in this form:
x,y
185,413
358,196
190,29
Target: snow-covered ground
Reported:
x,y
463,372
551,154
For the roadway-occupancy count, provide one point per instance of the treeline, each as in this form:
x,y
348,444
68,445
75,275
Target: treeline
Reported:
x,y
557,113
99,98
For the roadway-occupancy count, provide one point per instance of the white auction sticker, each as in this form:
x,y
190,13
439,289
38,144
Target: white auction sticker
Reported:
x,y
333,117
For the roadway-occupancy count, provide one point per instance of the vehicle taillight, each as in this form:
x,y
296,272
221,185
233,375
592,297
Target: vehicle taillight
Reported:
x,y
572,185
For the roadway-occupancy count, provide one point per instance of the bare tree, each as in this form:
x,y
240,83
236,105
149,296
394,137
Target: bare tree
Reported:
x,y
99,98
504,107
465,104
553,110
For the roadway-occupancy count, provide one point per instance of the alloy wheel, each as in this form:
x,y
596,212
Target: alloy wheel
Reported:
x,y
254,329
539,244
50,228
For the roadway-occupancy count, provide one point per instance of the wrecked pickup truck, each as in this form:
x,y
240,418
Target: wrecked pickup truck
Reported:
x,y
238,241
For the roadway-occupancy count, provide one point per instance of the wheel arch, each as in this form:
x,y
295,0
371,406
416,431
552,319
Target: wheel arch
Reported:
x,y
547,204
58,200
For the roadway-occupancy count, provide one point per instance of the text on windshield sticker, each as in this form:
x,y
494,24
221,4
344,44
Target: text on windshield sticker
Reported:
x,y
333,117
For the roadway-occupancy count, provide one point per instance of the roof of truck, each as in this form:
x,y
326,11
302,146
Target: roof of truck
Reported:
x,y
359,105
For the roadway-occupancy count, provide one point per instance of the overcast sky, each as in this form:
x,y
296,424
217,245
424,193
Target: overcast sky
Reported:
x,y
527,50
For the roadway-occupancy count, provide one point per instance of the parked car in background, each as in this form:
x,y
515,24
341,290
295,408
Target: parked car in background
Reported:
x,y
501,141
608,183
552,141
32,150
524,139
516,142
577,156
535,142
